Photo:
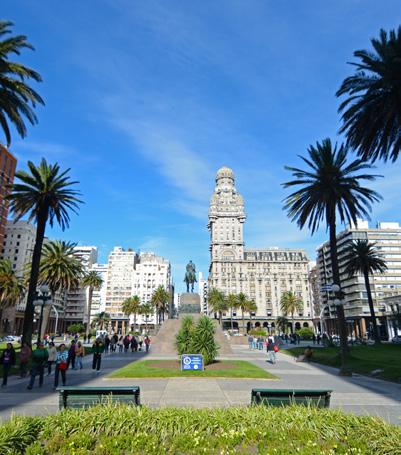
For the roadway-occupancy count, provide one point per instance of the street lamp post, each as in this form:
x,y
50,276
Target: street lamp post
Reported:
x,y
41,298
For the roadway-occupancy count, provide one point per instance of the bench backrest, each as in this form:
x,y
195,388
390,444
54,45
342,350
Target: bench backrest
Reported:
x,y
285,397
79,397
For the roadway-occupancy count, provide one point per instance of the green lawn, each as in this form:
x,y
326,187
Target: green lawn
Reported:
x,y
363,359
171,369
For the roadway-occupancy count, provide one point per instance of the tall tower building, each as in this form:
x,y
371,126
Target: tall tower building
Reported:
x,y
8,164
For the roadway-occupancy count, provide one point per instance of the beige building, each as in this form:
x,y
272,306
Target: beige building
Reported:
x,y
262,274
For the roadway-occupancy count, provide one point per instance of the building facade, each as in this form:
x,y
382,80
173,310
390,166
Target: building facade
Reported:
x,y
261,274
18,244
387,236
8,164
99,295
203,289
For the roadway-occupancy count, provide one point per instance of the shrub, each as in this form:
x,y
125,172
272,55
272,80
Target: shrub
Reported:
x,y
202,340
76,328
183,337
258,332
112,429
305,333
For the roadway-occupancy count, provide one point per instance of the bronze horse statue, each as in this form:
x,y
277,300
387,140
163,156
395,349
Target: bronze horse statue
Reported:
x,y
190,276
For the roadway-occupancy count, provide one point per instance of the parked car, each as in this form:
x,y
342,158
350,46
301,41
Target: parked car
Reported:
x,y
11,339
396,339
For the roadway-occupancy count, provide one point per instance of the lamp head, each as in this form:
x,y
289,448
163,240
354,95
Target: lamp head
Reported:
x,y
44,289
335,287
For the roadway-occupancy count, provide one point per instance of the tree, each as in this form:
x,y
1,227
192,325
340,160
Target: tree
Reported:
x,y
132,306
243,302
60,269
330,187
17,99
371,113
232,304
45,194
363,257
94,282
202,340
146,309
282,323
100,320
217,302
160,300
78,327
183,338
11,288
290,303
251,307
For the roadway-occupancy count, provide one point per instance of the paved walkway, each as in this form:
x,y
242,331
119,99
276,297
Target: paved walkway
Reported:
x,y
358,394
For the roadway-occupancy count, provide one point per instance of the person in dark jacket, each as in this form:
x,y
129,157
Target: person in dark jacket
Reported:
x,y
71,355
39,361
97,349
7,359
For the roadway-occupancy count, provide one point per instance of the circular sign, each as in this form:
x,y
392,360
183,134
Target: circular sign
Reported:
x,y
187,360
195,367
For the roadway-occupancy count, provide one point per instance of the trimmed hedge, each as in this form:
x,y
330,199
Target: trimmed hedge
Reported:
x,y
121,429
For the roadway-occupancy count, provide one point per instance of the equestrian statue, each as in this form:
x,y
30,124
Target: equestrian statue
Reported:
x,y
190,276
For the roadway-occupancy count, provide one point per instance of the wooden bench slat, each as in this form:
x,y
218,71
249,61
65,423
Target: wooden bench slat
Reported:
x,y
282,397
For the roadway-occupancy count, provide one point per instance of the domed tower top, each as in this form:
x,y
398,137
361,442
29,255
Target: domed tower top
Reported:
x,y
224,172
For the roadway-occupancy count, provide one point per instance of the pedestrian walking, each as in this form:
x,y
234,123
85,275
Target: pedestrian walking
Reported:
x,y
39,361
140,342
134,344
52,357
24,356
61,366
7,359
106,344
97,349
120,344
79,355
250,341
147,343
71,355
89,338
271,348
126,343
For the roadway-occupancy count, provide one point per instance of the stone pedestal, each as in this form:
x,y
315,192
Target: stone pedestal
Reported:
x,y
189,304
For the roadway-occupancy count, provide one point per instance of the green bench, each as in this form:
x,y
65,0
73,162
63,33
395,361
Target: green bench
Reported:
x,y
284,397
82,397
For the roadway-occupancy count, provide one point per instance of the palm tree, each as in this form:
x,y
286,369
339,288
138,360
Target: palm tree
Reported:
x,y
11,287
100,320
329,187
217,302
45,194
282,323
242,304
251,307
290,303
146,309
160,299
17,99
60,269
363,257
232,303
372,112
94,282
131,305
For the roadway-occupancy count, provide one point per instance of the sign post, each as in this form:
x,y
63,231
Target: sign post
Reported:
x,y
192,362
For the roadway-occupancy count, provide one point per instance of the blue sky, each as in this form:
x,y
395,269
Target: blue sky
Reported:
x,y
145,100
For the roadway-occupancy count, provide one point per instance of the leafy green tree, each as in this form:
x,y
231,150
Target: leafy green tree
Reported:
x,y
371,113
203,341
330,188
290,303
306,333
94,282
364,258
183,338
160,300
101,320
45,194
76,328
282,323
132,306
243,302
17,98
146,309
11,288
60,269
232,304
217,302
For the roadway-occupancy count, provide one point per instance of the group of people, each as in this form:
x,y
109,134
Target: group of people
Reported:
x,y
133,342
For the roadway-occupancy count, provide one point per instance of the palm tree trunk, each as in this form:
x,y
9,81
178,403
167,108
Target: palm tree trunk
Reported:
x,y
371,307
342,328
135,321
292,323
33,278
232,325
89,310
243,320
220,318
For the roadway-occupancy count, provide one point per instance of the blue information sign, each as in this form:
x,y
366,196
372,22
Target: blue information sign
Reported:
x,y
192,362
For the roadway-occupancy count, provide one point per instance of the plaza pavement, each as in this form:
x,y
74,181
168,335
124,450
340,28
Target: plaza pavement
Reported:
x,y
358,394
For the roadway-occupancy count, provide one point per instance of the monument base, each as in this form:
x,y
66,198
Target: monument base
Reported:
x,y
189,304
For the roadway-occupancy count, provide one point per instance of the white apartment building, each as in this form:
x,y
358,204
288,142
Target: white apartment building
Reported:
x,y
99,295
203,291
19,241
262,274
387,236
